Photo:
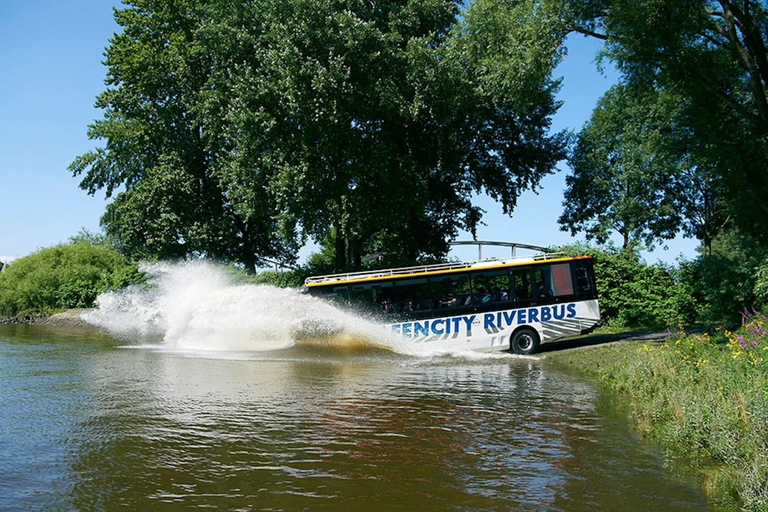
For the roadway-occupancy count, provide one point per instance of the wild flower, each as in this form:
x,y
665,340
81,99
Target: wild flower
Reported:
x,y
751,343
689,350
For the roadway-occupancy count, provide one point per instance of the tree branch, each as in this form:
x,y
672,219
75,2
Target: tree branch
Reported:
x,y
591,33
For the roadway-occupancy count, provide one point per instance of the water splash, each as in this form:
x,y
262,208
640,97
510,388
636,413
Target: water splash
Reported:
x,y
198,306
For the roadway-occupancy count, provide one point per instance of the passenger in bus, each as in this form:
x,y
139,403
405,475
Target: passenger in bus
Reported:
x,y
543,290
483,297
450,302
384,302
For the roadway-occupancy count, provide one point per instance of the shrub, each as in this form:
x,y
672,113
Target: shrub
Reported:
x,y
728,280
62,277
635,294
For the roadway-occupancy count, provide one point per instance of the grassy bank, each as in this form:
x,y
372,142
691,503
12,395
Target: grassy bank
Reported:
x,y
702,399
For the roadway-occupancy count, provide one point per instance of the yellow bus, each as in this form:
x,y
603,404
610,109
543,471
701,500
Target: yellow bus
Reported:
x,y
512,305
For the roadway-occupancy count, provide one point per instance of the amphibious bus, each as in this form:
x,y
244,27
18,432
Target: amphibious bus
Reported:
x,y
513,304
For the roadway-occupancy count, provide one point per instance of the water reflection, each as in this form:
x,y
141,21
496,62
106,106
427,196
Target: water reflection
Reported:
x,y
151,429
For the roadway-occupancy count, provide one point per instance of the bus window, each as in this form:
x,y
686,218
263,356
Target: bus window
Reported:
x,y
490,286
542,277
562,283
412,295
583,282
521,280
449,291
336,294
373,296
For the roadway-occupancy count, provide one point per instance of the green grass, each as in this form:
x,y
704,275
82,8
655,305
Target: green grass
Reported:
x,y
703,399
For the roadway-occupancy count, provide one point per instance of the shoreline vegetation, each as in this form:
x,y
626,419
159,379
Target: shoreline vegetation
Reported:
x,y
701,398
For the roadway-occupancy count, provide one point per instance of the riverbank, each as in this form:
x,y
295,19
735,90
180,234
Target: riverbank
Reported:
x,y
68,318
703,400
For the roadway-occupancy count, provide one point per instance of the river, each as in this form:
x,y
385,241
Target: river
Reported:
x,y
101,419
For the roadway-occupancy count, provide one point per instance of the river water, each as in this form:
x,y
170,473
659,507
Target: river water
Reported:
x,y
100,419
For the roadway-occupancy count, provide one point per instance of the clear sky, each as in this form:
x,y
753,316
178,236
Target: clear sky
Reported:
x,y
51,71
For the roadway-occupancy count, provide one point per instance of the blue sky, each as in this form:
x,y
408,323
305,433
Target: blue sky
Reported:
x,y
51,71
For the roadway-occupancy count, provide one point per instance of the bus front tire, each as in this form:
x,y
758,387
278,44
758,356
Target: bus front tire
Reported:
x,y
525,342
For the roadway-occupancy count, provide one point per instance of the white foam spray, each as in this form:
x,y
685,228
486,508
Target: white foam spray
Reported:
x,y
198,306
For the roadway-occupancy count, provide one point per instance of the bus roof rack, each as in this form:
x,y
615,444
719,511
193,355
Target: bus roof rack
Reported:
x,y
420,269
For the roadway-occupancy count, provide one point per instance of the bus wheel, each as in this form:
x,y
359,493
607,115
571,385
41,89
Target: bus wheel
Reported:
x,y
525,341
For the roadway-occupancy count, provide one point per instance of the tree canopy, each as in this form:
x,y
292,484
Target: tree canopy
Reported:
x,y
636,172
160,156
238,130
711,56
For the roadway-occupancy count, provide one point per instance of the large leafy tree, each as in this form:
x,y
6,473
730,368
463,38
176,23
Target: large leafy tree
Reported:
x,y
620,179
161,154
637,172
239,129
377,122
712,54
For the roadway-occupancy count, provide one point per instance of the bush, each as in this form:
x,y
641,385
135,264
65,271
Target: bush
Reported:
x,y
635,294
62,277
285,279
728,280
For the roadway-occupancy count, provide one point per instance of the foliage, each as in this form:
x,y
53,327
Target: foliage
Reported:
x,y
634,173
712,55
61,277
621,179
238,130
634,294
160,153
725,281
761,283
283,279
701,404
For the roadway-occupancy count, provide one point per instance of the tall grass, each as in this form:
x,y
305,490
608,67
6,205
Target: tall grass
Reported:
x,y
703,399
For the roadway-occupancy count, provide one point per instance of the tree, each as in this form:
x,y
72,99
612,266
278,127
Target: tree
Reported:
x,y
160,153
621,179
637,171
237,130
377,122
711,53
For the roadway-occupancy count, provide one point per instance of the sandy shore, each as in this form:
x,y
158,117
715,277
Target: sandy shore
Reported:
x,y
69,318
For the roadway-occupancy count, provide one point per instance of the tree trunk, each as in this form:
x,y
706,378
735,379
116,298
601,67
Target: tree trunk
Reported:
x,y
340,252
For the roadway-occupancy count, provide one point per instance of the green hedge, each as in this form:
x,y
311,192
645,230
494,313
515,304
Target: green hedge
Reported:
x,y
62,277
635,294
